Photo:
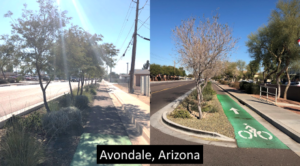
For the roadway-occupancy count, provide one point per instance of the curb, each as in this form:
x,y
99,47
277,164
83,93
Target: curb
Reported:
x,y
25,111
203,133
140,128
281,127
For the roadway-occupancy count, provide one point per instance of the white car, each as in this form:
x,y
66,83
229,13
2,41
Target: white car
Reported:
x,y
293,83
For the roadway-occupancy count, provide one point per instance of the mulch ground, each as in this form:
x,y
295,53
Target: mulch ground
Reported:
x,y
214,122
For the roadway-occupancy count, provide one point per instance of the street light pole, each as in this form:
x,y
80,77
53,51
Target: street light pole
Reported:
x,y
134,49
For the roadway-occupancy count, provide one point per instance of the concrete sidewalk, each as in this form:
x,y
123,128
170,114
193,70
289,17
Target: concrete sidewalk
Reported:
x,y
286,121
104,127
135,114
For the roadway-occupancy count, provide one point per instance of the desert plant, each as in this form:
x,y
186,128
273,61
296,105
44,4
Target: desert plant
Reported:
x,y
53,105
93,91
207,97
181,114
57,122
33,122
81,102
65,101
19,147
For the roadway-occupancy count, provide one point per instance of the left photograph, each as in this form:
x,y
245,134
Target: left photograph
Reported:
x,y
74,74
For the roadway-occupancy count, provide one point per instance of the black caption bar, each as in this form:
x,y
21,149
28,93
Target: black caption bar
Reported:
x,y
149,154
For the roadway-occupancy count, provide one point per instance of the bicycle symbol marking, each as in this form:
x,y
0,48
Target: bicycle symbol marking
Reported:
x,y
252,131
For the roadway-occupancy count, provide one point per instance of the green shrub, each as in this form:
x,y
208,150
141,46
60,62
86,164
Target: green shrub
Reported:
x,y
18,79
255,89
12,120
57,122
65,101
2,81
181,114
53,105
207,97
93,91
247,87
86,88
194,94
19,147
11,80
33,122
81,102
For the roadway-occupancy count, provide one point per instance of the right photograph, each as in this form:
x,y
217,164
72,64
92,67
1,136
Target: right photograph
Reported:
x,y
226,75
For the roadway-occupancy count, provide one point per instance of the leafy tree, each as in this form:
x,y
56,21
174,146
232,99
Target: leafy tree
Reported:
x,y
252,68
277,42
146,65
241,65
155,69
38,31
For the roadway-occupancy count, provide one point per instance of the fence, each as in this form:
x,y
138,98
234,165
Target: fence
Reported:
x,y
267,92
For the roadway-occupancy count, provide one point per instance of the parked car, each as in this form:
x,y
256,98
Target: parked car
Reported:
x,y
74,79
294,83
46,78
28,78
56,78
36,78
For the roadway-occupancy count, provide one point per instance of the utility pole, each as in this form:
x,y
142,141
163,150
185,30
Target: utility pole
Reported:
x,y
134,49
127,67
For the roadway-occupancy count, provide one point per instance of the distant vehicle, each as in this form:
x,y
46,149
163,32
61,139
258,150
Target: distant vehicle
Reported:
x,y
74,79
56,78
46,78
28,78
36,78
294,83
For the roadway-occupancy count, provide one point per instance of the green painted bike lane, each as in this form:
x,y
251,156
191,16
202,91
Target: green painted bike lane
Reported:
x,y
249,133
86,151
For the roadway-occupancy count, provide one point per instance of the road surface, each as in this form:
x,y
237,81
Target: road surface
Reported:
x,y
14,98
214,155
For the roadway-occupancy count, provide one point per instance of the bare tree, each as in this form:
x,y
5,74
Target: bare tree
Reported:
x,y
202,47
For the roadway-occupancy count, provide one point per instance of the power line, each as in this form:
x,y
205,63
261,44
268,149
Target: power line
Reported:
x,y
143,37
124,23
144,22
145,25
127,36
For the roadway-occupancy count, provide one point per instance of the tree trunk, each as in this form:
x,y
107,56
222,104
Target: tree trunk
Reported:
x,y
78,86
288,85
71,92
82,85
43,89
198,86
3,74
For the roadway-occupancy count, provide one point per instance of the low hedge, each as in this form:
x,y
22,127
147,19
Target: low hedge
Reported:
x,y
250,88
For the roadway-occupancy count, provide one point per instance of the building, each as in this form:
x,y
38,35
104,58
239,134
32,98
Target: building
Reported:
x,y
137,75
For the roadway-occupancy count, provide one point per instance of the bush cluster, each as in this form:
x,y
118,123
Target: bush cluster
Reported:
x,y
2,81
235,85
223,82
57,122
181,114
65,101
81,102
250,88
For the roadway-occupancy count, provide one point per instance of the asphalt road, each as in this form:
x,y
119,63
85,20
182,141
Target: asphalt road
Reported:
x,y
215,155
14,98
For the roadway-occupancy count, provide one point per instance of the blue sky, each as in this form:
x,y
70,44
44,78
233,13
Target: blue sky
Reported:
x,y
105,17
243,16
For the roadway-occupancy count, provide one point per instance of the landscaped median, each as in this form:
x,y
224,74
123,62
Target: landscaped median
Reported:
x,y
47,138
214,122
